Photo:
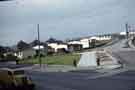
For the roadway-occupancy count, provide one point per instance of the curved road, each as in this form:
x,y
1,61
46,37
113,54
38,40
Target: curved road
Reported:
x,y
123,53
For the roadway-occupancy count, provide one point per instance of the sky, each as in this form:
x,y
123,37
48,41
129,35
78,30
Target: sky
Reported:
x,y
62,19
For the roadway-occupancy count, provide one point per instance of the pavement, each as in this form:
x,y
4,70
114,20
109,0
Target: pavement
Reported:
x,y
106,60
88,59
84,80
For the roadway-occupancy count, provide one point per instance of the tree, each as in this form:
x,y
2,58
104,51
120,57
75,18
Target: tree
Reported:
x,y
22,45
2,49
34,43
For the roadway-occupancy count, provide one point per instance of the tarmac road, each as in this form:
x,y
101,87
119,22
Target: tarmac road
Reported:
x,y
82,81
124,55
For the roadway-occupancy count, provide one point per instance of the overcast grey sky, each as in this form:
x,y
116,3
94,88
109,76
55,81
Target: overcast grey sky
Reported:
x,y
62,19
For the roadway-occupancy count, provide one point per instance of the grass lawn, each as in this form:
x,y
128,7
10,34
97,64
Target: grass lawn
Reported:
x,y
66,59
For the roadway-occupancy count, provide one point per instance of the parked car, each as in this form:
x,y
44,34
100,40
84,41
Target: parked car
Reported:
x,y
13,79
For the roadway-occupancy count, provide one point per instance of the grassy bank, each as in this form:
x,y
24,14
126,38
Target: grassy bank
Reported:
x,y
66,59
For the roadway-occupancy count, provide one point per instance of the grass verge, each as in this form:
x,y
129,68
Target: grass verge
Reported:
x,y
66,59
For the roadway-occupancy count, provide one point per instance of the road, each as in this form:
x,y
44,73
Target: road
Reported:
x,y
124,54
83,81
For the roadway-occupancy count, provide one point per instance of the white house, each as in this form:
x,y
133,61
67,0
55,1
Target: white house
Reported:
x,y
74,42
25,53
122,33
57,46
93,38
38,47
19,55
130,33
100,38
85,43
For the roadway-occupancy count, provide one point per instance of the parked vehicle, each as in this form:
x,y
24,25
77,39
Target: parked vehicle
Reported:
x,y
12,79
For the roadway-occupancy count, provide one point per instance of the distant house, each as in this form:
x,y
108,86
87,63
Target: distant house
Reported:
x,y
42,48
88,42
50,50
75,46
21,45
74,42
57,45
25,50
29,52
85,43
82,43
125,33
100,38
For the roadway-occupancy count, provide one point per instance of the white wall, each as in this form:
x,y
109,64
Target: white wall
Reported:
x,y
74,42
85,43
58,46
100,38
19,55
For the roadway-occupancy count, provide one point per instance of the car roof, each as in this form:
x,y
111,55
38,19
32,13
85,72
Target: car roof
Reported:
x,y
9,69
6,69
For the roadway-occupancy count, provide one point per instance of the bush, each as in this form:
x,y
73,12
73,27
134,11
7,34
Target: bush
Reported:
x,y
29,57
1,56
10,57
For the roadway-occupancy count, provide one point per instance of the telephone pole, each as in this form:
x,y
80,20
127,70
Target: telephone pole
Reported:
x,y
39,57
127,32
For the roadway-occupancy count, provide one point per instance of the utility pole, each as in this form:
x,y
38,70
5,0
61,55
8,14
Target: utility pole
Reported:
x,y
39,45
127,32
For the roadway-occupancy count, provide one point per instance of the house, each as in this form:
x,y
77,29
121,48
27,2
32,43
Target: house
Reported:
x,y
96,41
88,42
29,52
50,51
125,33
85,43
82,43
57,45
75,46
41,48
100,38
